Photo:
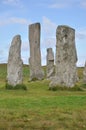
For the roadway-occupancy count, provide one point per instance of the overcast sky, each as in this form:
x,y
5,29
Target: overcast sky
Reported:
x,y
16,15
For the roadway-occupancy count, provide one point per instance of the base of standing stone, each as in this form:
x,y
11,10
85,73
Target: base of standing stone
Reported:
x,y
16,87
38,76
56,81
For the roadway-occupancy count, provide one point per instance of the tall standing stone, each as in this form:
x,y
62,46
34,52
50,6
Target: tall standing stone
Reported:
x,y
84,74
66,58
14,66
36,71
50,63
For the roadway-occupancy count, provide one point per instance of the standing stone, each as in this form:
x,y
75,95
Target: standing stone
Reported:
x,y
50,63
84,74
36,71
14,66
66,58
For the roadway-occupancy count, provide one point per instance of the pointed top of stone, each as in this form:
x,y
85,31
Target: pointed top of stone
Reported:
x,y
15,48
18,36
16,39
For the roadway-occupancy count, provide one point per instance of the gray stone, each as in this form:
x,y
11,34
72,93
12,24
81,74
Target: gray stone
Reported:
x,y
66,58
84,74
50,63
14,66
36,71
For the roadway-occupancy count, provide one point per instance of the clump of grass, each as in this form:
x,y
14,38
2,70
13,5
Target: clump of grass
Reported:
x,y
63,88
34,79
17,87
84,86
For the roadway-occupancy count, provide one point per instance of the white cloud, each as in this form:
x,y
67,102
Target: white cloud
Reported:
x,y
25,46
81,46
25,51
48,27
1,52
81,61
3,55
81,34
62,4
58,5
18,20
14,20
49,42
12,2
48,33
67,4
83,3
48,37
3,59
25,59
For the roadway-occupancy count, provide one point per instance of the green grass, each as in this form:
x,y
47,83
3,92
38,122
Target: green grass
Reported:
x,y
41,109
16,87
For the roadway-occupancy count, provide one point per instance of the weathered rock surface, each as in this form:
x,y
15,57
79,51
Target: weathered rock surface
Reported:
x,y
36,71
14,66
66,58
50,63
84,74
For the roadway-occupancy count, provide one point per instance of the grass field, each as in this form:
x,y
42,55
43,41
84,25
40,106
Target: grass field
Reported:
x,y
41,109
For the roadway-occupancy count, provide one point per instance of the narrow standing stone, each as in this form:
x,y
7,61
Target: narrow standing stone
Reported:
x,y
36,71
66,58
84,74
50,63
14,66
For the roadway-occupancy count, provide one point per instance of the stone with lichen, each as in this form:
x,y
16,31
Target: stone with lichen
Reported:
x,y
15,64
66,58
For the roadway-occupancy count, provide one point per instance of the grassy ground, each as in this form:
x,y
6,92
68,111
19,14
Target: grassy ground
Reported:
x,y
41,109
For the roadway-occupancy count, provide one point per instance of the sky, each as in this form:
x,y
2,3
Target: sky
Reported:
x,y
17,15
